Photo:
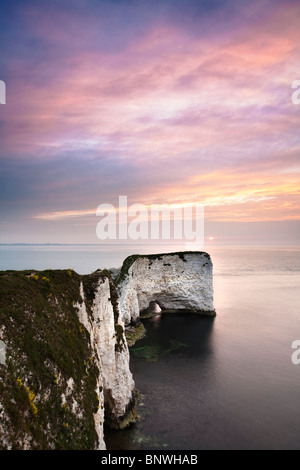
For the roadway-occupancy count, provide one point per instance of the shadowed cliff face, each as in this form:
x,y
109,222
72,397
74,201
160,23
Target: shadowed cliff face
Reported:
x,y
63,351
175,281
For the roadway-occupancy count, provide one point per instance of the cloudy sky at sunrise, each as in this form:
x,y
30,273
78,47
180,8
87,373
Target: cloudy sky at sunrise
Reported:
x,y
169,102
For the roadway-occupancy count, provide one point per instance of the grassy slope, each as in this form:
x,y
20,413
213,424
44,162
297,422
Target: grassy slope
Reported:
x,y
45,346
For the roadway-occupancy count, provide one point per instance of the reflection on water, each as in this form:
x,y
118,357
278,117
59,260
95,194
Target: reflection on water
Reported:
x,y
155,351
221,383
175,351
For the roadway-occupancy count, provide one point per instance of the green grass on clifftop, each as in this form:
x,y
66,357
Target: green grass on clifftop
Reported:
x,y
46,346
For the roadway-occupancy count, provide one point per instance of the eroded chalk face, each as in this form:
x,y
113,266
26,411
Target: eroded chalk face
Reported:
x,y
181,281
2,352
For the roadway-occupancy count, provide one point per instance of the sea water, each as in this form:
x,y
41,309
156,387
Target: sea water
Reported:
x,y
209,383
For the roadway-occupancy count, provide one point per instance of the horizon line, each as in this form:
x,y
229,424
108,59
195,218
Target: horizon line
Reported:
x,y
147,244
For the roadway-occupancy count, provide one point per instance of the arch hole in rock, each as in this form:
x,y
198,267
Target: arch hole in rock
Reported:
x,y
153,308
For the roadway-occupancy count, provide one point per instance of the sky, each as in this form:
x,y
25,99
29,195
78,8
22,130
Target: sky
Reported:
x,y
166,102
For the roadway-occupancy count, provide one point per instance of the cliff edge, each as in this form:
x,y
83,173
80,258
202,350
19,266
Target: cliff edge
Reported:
x,y
64,358
64,365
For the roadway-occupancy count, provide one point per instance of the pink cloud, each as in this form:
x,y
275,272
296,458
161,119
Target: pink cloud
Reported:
x,y
168,98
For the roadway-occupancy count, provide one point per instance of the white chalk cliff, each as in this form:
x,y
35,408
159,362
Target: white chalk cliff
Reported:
x,y
111,356
81,376
178,281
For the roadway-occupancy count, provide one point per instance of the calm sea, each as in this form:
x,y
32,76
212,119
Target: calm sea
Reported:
x,y
209,383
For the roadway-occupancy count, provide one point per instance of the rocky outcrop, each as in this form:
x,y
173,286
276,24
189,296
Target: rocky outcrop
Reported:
x,y
175,281
64,367
64,359
108,341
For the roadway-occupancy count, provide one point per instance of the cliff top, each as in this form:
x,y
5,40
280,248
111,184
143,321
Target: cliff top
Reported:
x,y
128,262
